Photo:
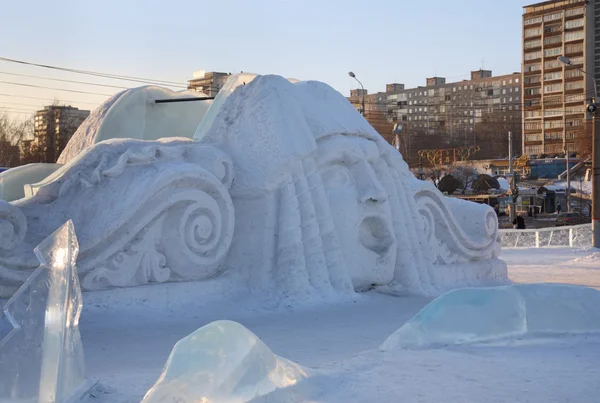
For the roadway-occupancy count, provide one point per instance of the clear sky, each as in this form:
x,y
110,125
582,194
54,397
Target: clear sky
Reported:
x,y
382,41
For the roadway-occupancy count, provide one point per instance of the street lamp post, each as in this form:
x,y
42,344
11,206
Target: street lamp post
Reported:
x,y
351,74
592,108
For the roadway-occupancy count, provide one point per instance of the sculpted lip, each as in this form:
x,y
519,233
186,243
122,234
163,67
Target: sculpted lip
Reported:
x,y
376,235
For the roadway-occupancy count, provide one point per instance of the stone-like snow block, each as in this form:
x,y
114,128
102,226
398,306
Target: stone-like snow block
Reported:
x,y
222,362
471,315
41,355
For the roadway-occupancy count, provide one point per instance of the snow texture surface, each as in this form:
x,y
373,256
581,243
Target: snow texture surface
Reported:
x,y
134,114
222,362
472,315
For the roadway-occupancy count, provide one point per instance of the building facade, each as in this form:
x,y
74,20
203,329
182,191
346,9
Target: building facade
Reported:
x,y
555,95
53,128
476,112
209,83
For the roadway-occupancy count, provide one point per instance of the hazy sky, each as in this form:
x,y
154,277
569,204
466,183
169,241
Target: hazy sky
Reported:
x,y
382,41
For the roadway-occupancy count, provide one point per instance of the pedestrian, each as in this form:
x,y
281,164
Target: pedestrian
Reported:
x,y
519,222
558,208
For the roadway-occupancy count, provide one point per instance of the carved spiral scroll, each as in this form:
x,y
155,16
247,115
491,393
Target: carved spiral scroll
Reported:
x,y
447,240
198,234
13,226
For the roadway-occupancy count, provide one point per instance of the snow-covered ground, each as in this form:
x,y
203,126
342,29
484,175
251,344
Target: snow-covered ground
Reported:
x,y
128,336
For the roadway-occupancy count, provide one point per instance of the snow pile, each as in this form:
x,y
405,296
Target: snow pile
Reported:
x,y
134,114
594,257
472,315
222,362
503,184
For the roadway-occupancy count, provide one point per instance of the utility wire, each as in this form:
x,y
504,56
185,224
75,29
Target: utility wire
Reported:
x,y
66,81
47,99
56,89
97,74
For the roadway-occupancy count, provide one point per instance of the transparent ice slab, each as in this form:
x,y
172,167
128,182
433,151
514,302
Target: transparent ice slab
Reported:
x,y
41,355
471,315
222,362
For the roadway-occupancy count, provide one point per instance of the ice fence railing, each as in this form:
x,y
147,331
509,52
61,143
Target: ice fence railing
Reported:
x,y
575,236
41,355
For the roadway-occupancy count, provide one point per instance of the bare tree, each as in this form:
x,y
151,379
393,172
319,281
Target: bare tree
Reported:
x,y
466,174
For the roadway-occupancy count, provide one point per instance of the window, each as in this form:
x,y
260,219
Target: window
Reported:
x,y
532,67
571,73
574,110
533,150
533,137
551,64
553,136
516,80
574,48
575,98
533,55
529,32
574,23
573,36
503,83
551,52
573,85
553,112
533,114
532,91
574,11
552,88
504,91
533,20
552,40
553,124
553,17
533,125
557,75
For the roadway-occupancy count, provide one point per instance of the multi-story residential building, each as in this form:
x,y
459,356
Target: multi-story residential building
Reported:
x,y
555,95
53,128
475,112
209,83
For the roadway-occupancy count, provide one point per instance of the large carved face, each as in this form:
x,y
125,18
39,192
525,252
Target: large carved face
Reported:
x,y
359,206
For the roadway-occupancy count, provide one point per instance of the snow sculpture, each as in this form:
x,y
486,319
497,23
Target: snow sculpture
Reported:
x,y
471,315
322,203
134,114
41,356
222,362
147,212
333,206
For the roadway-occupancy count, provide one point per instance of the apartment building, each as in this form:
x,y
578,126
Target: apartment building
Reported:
x,y
555,95
53,128
479,111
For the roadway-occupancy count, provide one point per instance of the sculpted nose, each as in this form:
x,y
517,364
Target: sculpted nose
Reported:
x,y
369,188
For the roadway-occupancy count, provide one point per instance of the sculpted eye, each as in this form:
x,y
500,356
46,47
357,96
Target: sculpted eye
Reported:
x,y
337,175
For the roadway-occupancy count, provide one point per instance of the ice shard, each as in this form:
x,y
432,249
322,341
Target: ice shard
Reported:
x,y
41,355
222,362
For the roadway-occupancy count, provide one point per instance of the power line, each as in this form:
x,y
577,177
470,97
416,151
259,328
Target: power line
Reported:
x,y
56,89
66,81
19,104
97,74
47,99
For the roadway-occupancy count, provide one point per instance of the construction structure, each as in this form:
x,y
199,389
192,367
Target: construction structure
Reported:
x,y
554,94
53,127
209,83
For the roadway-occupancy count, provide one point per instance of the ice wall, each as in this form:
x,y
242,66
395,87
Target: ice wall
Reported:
x,y
134,114
471,315
222,362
